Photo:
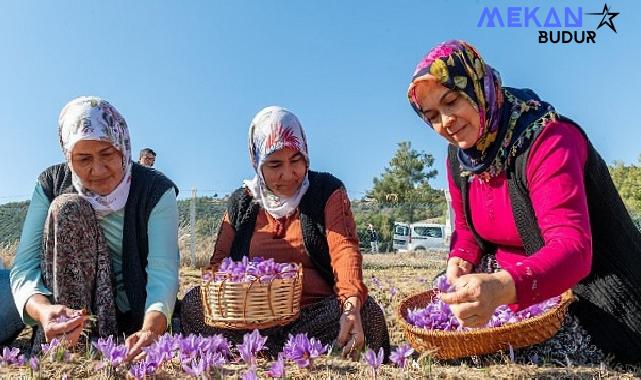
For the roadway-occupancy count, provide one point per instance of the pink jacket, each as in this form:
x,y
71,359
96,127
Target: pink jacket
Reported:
x,y
554,175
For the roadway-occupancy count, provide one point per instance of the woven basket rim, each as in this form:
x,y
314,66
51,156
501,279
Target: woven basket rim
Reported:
x,y
566,298
296,270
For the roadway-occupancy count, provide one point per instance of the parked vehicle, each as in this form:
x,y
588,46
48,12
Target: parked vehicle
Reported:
x,y
419,236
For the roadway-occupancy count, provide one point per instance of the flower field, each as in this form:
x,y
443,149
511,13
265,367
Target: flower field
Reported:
x,y
390,278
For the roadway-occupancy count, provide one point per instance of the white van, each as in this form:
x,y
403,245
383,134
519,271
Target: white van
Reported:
x,y
419,236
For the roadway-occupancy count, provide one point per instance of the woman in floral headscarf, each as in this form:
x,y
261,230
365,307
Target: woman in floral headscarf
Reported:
x,y
279,214
535,207
100,237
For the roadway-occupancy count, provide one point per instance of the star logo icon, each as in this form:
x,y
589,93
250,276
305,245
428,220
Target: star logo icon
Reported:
x,y
607,18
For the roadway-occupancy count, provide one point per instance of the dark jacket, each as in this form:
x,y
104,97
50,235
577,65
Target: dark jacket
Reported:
x,y
609,298
147,187
242,212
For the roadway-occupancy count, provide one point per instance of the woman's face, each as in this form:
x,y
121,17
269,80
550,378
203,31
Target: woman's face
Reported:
x,y
449,112
98,165
284,171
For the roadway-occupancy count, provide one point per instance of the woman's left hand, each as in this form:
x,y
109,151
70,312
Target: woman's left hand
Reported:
x,y
137,341
351,336
476,296
154,325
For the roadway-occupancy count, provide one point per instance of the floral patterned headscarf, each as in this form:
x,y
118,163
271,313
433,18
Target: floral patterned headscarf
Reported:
x,y
92,118
458,66
505,113
272,129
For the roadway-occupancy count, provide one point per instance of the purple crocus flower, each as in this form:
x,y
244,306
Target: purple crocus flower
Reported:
x,y
393,291
189,347
250,375
9,356
401,354
138,370
196,367
216,344
252,344
51,347
374,360
34,363
103,345
277,369
117,355
303,350
214,359
377,282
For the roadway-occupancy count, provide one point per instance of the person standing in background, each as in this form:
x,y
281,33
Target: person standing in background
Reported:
x,y
147,157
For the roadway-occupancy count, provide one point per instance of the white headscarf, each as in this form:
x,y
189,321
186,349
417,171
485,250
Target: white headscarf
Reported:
x,y
272,129
92,118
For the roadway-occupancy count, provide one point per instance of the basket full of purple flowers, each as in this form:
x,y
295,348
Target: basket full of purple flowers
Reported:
x,y
430,326
253,293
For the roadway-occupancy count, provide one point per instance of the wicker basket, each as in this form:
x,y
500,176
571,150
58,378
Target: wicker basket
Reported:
x,y
458,344
252,305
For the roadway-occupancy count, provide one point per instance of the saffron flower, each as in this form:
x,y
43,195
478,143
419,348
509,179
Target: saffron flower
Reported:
x,y
34,363
252,344
302,350
277,369
112,354
196,367
248,270
437,315
9,355
250,375
138,370
401,354
377,282
373,359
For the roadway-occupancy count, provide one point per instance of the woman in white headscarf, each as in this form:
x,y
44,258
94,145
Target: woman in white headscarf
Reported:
x,y
100,237
292,214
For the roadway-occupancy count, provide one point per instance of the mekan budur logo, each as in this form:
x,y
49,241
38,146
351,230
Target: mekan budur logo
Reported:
x,y
556,24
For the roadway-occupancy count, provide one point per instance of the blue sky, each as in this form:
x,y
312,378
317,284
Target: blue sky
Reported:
x,y
189,75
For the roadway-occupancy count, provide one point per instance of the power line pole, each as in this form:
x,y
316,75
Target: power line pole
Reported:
x,y
192,226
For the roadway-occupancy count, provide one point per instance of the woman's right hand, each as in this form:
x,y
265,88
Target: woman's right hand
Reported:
x,y
457,267
57,321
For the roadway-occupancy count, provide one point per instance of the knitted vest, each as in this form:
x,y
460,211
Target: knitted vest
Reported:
x,y
147,187
609,298
242,212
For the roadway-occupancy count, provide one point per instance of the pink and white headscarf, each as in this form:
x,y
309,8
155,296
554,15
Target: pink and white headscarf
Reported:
x,y
272,129
92,118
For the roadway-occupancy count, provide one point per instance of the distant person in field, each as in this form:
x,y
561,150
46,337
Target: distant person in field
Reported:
x,y
373,238
536,211
302,216
147,157
100,237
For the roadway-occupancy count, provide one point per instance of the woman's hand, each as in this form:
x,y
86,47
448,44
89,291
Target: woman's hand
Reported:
x,y
351,336
154,325
476,296
57,321
457,267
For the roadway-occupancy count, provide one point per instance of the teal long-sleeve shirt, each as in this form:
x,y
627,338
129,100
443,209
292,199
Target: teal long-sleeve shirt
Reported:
x,y
162,261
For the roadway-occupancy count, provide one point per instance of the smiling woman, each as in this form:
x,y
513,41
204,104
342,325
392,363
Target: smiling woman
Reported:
x,y
535,209
100,237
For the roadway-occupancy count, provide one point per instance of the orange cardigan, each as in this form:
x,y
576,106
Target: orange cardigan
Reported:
x,y
340,230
